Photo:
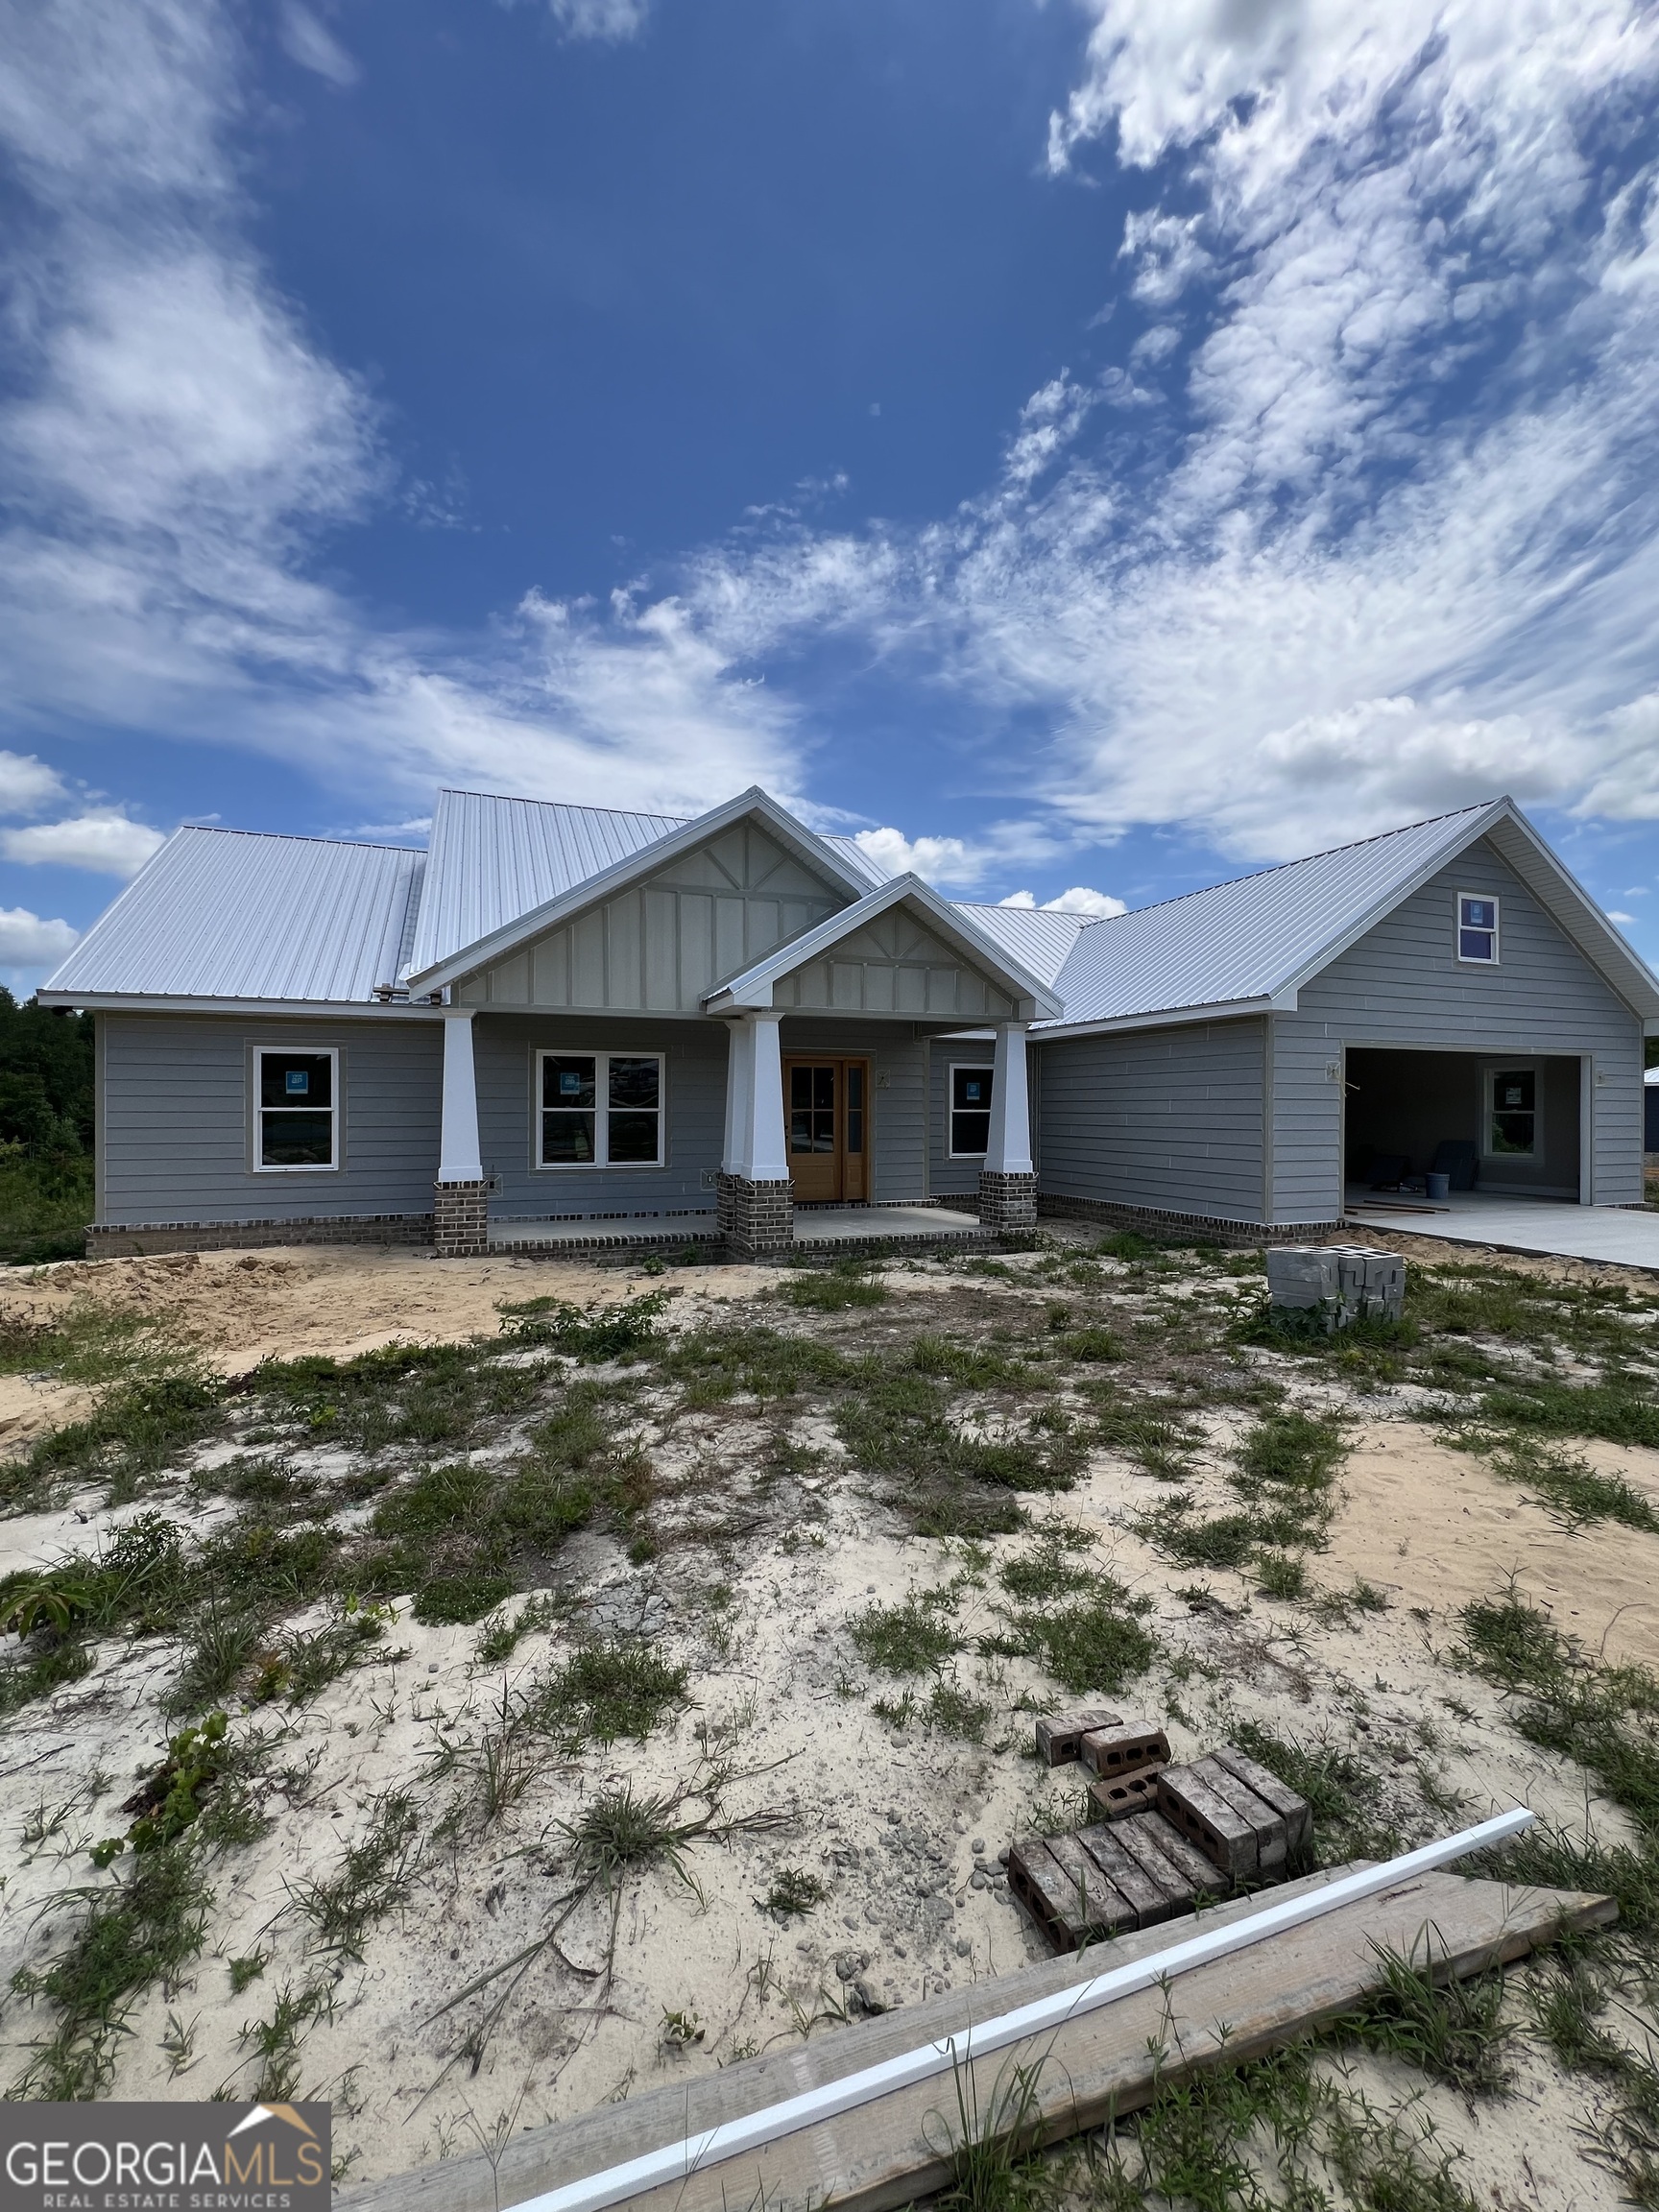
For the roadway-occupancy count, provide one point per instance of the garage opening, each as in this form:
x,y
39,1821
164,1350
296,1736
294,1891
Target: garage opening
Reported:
x,y
1508,1127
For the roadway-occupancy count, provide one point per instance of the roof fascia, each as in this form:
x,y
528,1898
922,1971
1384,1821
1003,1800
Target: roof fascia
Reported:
x,y
800,841
753,987
300,1009
1617,961
1165,1018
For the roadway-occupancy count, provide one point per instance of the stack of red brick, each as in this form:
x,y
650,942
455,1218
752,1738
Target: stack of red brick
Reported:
x,y
1156,1838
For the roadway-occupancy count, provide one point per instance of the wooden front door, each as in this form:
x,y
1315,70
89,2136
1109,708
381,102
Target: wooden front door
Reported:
x,y
827,1110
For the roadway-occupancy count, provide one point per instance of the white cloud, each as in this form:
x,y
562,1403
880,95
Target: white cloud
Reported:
x,y
1614,915
1098,905
936,859
27,784
309,41
30,946
104,841
609,19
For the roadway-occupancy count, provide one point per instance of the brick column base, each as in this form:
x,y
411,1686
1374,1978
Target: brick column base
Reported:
x,y
1007,1203
758,1218
461,1219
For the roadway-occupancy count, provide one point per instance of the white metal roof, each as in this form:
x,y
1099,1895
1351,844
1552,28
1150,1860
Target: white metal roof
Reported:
x,y
1255,940
1040,938
224,914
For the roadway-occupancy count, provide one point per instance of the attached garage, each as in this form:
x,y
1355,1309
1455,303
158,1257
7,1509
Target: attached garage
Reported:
x,y
1507,1124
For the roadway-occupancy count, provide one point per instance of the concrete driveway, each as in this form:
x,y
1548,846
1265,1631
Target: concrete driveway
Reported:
x,y
1619,1236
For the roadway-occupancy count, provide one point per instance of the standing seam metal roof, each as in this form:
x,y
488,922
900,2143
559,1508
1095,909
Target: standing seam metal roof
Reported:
x,y
1246,939
231,914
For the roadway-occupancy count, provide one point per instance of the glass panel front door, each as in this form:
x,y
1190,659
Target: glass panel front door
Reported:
x,y
826,1110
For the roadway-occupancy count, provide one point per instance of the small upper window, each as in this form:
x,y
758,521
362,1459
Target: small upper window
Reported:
x,y
601,1109
1477,928
298,1112
969,1113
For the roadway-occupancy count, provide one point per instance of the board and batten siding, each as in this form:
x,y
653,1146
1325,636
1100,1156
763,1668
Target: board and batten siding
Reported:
x,y
1403,985
1168,1118
176,1118
660,945
894,965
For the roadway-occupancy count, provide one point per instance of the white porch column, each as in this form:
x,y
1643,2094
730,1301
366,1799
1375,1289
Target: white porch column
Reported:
x,y
458,1154
1009,1152
739,1080
769,1157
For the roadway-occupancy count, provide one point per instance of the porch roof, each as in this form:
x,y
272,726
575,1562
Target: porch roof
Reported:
x,y
752,988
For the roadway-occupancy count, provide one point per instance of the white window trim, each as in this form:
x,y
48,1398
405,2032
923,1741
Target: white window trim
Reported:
x,y
979,1068
1489,1075
328,1052
602,1161
1496,904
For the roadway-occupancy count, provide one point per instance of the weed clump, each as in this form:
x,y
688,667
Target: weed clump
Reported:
x,y
620,1332
832,1289
915,1637
605,1691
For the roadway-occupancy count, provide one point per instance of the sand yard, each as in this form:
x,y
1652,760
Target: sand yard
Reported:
x,y
647,1679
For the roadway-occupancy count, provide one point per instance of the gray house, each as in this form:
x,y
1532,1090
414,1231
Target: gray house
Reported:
x,y
562,1024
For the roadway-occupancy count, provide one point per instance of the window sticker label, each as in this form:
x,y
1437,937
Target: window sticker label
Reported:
x,y
299,1080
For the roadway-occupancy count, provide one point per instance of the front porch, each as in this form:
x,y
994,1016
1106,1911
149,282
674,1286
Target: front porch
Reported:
x,y
817,1229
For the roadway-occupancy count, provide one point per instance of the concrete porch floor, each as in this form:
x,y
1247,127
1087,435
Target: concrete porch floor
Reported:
x,y
1623,1237
826,1225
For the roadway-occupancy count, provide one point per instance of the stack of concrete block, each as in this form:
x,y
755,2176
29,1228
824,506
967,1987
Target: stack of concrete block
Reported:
x,y
1344,1282
1243,1820
1125,1761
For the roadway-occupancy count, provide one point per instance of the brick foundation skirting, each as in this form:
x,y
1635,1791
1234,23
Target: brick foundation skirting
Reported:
x,y
130,1240
461,1219
1162,1221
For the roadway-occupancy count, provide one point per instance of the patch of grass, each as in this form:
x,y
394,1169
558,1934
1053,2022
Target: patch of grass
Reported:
x,y
303,1665
1282,1575
715,1364
915,1637
954,1712
1569,1487
620,1332
374,1876
1090,1344
1153,1436
137,1429
605,1691
220,1646
1341,1792
793,1893
145,1926
971,1366
1620,1409
832,1289
1453,2030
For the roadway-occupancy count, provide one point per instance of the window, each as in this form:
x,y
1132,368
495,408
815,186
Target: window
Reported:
x,y
600,1109
297,1120
969,1113
1477,929
1512,1113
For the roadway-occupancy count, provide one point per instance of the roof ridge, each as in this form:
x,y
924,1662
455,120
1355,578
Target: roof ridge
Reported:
x,y
1302,860
298,838
571,805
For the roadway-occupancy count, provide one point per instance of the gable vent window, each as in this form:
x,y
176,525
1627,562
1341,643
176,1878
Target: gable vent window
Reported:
x,y
969,1113
1477,929
600,1109
298,1115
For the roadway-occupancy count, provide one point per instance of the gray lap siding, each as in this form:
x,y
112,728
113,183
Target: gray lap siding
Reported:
x,y
174,1119
1402,985
1168,1119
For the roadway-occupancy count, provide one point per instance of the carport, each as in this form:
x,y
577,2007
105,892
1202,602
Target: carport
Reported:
x,y
1501,1125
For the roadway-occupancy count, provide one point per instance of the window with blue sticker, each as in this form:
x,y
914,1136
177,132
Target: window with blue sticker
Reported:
x,y
296,1119
599,1110
969,1113
1477,929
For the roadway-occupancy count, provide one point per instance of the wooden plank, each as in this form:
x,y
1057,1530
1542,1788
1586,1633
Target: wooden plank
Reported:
x,y
1272,1848
1151,1901
1187,1802
1121,1749
1295,1812
1059,1735
893,2151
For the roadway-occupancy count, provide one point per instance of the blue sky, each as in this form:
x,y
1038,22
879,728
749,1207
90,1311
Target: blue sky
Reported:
x,y
1084,447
